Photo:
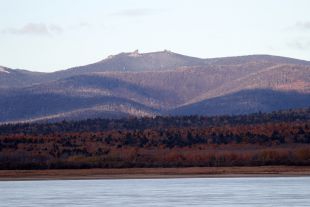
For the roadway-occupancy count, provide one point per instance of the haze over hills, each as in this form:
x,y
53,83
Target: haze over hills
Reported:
x,y
158,83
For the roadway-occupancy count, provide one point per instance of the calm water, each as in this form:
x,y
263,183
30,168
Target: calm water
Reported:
x,y
159,192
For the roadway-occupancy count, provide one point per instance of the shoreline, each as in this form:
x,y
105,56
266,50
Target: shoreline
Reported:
x,y
154,173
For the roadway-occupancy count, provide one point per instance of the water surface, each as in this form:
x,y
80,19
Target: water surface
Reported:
x,y
276,191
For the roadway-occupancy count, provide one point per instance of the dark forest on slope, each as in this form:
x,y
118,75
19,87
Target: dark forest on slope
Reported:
x,y
278,138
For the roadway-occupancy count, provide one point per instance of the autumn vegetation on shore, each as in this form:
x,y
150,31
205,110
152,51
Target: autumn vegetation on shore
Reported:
x,y
279,138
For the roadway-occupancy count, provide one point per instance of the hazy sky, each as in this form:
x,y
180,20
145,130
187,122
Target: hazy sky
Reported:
x,y
48,35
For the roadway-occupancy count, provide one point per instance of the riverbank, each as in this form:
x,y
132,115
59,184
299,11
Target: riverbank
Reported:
x,y
146,173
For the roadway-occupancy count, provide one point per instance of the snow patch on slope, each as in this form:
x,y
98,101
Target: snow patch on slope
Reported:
x,y
2,70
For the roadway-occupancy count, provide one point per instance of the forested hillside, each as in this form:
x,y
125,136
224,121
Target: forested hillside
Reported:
x,y
278,138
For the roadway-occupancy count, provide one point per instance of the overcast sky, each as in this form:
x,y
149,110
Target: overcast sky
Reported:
x,y
49,35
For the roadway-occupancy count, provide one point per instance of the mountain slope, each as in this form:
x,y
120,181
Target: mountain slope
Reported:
x,y
141,62
237,60
14,78
51,106
245,102
75,96
280,77
148,84
135,61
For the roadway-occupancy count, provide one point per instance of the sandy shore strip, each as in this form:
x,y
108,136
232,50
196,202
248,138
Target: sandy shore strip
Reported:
x,y
148,173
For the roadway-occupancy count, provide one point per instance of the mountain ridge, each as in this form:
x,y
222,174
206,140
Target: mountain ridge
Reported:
x,y
155,83
222,60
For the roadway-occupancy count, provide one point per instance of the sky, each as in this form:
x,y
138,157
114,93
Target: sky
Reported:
x,y
50,35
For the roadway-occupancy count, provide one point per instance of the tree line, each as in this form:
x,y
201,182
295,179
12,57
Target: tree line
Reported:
x,y
279,138
140,123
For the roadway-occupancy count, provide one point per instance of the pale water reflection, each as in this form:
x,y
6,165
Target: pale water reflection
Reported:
x,y
277,191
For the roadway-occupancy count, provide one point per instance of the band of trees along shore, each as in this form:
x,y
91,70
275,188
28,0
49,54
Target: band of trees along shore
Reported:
x,y
278,138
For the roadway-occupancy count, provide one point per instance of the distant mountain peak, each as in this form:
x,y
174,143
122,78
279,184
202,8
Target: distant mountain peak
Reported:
x,y
134,54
